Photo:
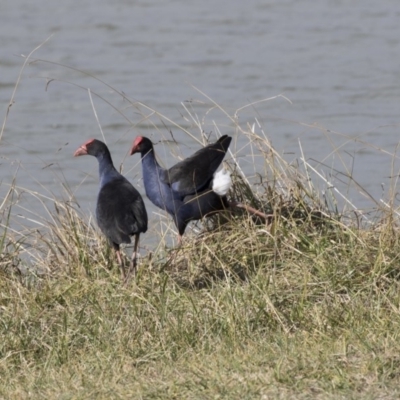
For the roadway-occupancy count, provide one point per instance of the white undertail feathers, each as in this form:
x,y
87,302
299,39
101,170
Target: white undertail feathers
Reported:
x,y
222,182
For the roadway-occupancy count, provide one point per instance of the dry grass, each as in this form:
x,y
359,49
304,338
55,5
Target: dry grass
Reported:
x,y
306,306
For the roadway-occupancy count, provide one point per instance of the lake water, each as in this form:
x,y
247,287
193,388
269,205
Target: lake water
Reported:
x,y
337,61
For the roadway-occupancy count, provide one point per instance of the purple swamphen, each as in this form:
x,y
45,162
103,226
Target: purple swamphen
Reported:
x,y
190,189
120,210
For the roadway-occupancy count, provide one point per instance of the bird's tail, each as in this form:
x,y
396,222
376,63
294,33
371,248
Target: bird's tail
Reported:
x,y
222,182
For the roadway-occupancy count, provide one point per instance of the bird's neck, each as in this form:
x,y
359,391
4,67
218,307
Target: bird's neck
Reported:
x,y
157,191
107,170
149,161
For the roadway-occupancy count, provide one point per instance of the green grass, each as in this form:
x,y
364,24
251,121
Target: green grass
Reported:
x,y
305,305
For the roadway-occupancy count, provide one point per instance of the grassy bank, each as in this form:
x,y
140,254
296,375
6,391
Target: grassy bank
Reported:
x,y
305,305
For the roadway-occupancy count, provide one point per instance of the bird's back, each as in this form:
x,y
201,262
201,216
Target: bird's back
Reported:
x,y
120,211
195,173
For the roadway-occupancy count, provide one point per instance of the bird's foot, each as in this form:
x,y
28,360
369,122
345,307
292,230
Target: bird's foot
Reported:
x,y
132,270
251,210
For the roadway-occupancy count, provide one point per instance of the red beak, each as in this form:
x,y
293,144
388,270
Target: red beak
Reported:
x,y
81,151
134,149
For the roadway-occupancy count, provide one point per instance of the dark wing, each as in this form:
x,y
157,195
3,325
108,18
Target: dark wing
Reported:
x,y
120,211
194,173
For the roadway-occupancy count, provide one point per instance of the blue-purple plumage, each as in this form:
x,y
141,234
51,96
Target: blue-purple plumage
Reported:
x,y
185,190
120,210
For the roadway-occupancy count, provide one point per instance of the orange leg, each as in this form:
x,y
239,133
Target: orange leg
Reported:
x,y
251,210
179,240
121,265
132,268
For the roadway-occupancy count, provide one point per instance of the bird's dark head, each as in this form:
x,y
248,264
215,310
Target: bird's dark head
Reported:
x,y
92,147
141,145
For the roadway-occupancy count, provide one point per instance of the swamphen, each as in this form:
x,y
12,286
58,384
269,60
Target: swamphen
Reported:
x,y
120,210
190,189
